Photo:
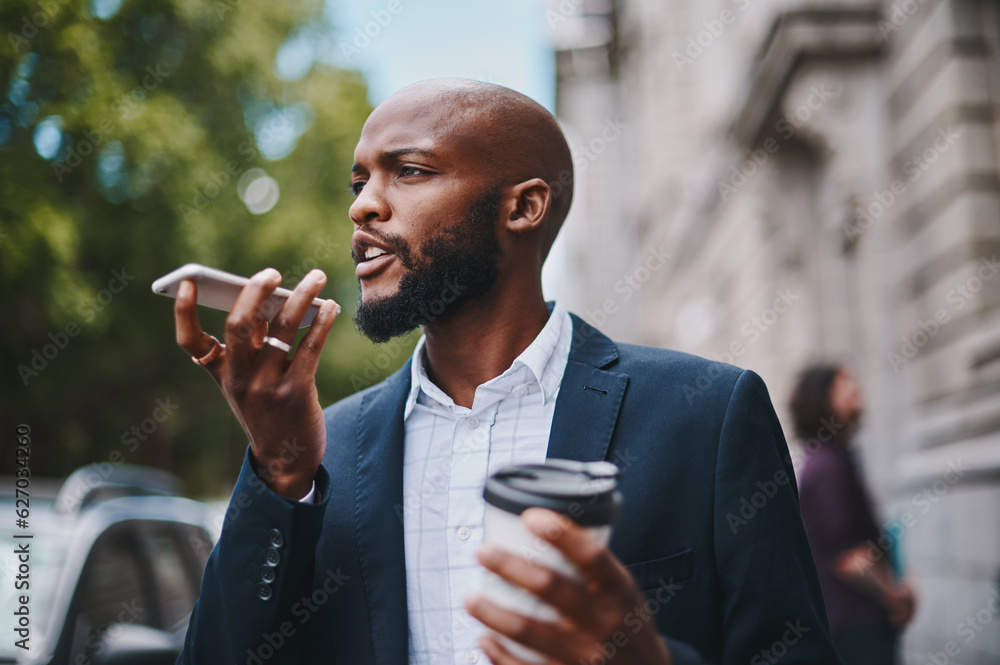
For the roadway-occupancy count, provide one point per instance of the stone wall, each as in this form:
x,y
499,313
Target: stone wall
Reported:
x,y
790,181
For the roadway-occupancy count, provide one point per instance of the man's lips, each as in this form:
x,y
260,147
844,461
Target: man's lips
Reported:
x,y
373,266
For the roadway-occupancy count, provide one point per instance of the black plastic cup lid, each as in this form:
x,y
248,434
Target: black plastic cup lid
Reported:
x,y
586,492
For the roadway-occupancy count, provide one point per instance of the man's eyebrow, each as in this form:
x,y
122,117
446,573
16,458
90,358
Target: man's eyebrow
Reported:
x,y
395,154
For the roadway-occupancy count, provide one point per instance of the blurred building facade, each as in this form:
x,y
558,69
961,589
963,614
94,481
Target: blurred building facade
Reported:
x,y
771,182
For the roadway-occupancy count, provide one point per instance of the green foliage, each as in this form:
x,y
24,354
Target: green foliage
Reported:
x,y
150,118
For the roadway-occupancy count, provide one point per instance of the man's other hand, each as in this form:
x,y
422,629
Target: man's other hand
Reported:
x,y
273,396
593,609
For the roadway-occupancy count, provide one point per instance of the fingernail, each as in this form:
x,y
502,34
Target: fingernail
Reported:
x,y
328,307
184,290
268,275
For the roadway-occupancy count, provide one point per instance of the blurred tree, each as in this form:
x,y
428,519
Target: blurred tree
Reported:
x,y
134,138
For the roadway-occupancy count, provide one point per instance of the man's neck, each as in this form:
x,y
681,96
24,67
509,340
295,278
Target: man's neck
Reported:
x,y
480,341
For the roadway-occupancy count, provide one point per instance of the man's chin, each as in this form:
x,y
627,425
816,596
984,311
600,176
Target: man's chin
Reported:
x,y
382,318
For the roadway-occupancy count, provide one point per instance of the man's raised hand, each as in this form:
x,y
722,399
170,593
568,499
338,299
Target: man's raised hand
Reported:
x,y
273,396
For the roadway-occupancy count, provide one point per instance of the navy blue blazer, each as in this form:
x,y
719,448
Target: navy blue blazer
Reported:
x,y
710,528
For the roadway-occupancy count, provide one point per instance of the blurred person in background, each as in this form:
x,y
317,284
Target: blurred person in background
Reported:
x,y
867,605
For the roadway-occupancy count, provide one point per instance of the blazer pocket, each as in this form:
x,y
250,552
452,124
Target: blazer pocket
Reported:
x,y
667,570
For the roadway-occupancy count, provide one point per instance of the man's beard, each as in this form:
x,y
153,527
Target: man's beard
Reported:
x,y
455,266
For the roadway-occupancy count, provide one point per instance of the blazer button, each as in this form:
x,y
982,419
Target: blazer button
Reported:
x,y
277,540
264,591
267,574
272,558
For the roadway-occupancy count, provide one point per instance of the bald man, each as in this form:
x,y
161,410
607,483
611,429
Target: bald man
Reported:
x,y
354,534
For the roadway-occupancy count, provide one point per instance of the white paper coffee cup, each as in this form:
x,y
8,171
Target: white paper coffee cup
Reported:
x,y
586,492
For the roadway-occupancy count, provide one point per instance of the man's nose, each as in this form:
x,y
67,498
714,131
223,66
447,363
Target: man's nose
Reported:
x,y
369,206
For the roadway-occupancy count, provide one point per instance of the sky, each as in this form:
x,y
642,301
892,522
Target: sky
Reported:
x,y
398,42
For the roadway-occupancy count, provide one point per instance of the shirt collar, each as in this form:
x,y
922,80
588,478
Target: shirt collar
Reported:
x,y
545,359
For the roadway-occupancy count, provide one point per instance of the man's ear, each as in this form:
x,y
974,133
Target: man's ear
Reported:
x,y
528,205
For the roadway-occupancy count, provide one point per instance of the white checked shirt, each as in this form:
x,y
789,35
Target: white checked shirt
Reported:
x,y
449,452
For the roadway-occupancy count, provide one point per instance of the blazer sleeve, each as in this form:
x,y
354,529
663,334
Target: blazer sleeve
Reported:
x,y
771,606
260,568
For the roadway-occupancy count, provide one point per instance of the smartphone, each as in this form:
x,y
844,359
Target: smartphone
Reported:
x,y
218,289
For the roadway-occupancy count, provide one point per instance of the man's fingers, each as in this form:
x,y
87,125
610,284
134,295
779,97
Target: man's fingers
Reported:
x,y
496,652
499,654
549,639
591,558
286,323
190,336
565,595
310,348
251,309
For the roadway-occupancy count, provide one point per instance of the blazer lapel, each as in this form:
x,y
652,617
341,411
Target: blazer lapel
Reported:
x,y
589,400
379,515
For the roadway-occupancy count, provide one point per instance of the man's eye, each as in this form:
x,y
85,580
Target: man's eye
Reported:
x,y
356,187
411,170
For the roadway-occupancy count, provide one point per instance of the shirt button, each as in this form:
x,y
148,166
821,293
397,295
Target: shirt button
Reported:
x,y
277,540
471,657
464,533
267,574
264,591
271,557
472,422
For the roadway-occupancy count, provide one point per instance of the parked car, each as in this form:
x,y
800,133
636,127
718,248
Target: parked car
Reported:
x,y
114,567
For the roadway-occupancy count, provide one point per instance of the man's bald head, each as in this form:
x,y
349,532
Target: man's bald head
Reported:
x,y
516,138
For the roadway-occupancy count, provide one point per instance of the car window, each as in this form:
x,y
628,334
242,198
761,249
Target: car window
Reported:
x,y
115,588
177,568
